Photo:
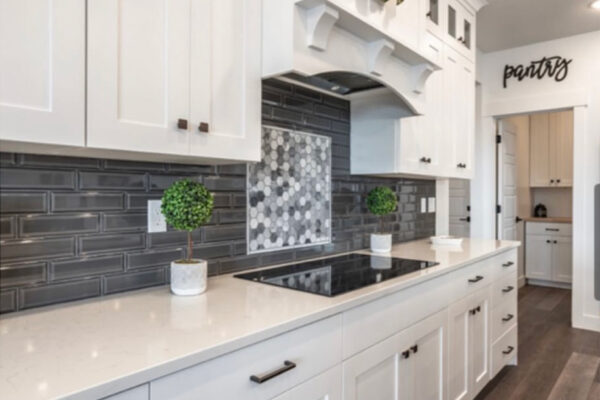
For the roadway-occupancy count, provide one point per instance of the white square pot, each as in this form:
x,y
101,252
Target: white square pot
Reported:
x,y
381,243
188,279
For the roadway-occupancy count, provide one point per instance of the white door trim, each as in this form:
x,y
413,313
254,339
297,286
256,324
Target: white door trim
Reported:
x,y
586,173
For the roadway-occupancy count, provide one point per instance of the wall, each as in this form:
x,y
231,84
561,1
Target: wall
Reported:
x,y
580,90
558,201
74,228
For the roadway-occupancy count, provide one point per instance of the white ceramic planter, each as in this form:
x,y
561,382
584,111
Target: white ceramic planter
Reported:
x,y
381,243
188,279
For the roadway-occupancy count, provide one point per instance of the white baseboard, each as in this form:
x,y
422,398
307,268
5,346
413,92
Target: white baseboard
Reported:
x,y
539,282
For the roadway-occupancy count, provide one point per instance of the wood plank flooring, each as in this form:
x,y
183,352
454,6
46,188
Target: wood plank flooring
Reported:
x,y
556,362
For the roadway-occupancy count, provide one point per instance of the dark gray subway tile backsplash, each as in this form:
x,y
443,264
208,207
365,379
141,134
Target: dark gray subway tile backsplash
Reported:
x,y
73,228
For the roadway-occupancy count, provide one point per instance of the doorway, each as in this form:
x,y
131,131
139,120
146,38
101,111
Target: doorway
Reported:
x,y
534,183
459,207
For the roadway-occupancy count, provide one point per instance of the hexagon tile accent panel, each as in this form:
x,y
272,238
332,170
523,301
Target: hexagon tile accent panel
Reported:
x,y
289,191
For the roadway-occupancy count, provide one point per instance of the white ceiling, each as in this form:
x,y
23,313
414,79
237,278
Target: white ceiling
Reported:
x,y
504,24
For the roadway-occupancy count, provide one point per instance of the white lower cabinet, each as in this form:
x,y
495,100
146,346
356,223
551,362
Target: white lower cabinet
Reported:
x,y
548,252
430,345
468,345
408,365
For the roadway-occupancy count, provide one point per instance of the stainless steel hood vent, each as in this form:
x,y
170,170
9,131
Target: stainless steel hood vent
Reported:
x,y
339,82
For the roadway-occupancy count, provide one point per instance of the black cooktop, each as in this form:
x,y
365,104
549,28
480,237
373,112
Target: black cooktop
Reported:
x,y
336,275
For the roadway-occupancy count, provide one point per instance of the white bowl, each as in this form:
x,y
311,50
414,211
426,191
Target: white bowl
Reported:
x,y
446,240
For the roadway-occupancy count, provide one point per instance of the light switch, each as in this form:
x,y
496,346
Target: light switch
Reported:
x,y
431,205
423,205
156,219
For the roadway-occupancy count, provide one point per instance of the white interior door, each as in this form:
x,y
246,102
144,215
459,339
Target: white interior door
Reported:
x,y
507,181
42,71
460,193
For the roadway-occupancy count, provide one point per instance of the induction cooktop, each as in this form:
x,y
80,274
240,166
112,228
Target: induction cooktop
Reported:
x,y
336,275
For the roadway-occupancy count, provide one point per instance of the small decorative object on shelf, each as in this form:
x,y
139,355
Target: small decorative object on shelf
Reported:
x,y
381,201
187,205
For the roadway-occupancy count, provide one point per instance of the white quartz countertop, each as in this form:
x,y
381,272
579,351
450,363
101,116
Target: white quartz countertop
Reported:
x,y
93,348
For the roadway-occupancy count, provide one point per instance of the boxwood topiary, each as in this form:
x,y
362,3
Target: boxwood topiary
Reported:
x,y
187,205
381,201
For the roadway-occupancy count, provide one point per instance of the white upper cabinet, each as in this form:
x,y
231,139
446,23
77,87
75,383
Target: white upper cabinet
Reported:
x,y
175,77
42,71
551,149
138,75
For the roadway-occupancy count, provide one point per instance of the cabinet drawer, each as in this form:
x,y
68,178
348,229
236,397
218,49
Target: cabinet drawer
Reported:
x,y
505,288
375,321
504,350
472,278
549,229
504,317
503,263
313,349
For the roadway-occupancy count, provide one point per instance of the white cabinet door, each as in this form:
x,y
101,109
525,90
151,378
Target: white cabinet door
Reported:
x,y
434,13
561,147
408,365
539,142
327,386
138,75
464,139
538,258
479,343
562,259
459,316
42,71
225,79
379,372
428,359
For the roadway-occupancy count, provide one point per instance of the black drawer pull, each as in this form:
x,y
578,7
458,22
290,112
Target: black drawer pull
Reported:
x,y
476,279
552,229
508,350
406,354
287,365
508,264
508,317
507,289
415,348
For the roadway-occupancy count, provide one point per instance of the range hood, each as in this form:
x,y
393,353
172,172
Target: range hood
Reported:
x,y
330,45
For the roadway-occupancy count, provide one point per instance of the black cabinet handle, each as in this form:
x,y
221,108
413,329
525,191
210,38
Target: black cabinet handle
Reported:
x,y
461,165
553,229
475,310
287,365
548,241
508,264
423,159
518,219
406,354
476,279
466,219
555,242
558,181
415,348
507,289
508,318
182,123
428,15
508,350
551,180
478,308
203,127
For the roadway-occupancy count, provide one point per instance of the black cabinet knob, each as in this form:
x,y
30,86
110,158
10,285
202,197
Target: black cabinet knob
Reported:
x,y
414,348
551,180
406,354
203,127
558,181
182,123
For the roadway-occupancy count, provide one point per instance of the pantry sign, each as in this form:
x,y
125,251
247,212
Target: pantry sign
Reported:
x,y
555,67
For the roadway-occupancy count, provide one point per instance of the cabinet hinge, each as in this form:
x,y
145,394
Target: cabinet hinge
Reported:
x,y
498,138
498,209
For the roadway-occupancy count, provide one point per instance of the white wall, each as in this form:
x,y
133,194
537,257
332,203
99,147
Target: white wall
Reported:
x,y
558,201
581,90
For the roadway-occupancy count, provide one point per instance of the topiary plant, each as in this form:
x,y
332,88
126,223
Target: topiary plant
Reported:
x,y
187,205
381,201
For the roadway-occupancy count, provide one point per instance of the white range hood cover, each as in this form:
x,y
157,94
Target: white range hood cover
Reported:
x,y
311,37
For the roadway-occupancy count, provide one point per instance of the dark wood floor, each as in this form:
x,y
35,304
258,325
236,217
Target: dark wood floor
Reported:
x,y
555,360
